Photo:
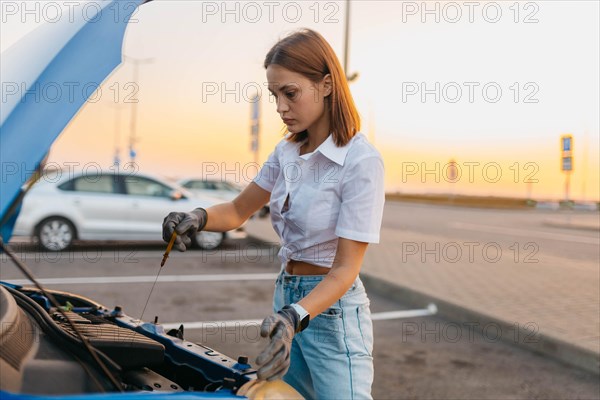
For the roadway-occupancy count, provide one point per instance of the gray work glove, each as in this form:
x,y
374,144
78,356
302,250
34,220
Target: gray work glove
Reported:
x,y
186,224
274,361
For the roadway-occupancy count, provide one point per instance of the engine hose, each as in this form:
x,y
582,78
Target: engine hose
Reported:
x,y
50,328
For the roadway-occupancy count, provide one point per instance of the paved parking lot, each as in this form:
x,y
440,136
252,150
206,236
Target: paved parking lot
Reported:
x,y
415,358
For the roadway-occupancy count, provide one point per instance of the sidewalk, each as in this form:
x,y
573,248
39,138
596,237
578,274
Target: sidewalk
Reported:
x,y
541,306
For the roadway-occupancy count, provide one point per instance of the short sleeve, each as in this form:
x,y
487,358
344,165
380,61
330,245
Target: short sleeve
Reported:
x,y
269,172
363,197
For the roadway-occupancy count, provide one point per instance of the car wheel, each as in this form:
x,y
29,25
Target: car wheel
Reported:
x,y
55,234
264,211
208,240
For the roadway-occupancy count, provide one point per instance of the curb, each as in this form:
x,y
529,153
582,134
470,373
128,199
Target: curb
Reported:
x,y
534,341
567,225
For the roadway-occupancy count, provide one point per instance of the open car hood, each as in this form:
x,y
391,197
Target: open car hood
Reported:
x,y
74,53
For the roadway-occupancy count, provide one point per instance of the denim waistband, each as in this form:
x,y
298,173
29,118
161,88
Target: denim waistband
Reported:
x,y
307,281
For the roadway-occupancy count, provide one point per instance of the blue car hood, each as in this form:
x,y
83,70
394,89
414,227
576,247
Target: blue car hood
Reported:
x,y
74,52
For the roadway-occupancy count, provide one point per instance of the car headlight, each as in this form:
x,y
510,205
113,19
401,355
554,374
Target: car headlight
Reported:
x,y
268,390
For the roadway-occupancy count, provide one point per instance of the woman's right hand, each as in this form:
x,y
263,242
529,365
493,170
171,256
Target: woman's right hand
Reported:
x,y
186,224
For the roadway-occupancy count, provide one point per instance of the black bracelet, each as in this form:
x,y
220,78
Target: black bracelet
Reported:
x,y
204,218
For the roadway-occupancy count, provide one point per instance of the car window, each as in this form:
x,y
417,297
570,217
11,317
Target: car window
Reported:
x,y
91,183
211,185
197,185
226,186
236,187
138,186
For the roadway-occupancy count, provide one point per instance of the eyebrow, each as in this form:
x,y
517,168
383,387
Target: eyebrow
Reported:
x,y
281,89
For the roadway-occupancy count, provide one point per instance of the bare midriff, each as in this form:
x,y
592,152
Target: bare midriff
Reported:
x,y
294,267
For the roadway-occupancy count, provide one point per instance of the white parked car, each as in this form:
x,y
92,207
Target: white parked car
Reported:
x,y
212,187
105,206
226,191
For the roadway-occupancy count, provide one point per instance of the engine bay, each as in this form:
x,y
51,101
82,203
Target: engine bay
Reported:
x,y
41,353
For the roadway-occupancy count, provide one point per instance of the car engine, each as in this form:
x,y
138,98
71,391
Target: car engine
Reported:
x,y
40,353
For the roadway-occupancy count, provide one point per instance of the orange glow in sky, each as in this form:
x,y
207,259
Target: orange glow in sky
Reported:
x,y
427,91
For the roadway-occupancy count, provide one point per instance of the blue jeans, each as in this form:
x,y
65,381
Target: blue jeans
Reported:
x,y
333,357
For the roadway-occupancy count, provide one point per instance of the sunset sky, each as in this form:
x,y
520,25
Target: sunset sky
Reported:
x,y
544,52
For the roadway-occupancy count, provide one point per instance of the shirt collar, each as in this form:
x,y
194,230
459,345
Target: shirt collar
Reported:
x,y
331,151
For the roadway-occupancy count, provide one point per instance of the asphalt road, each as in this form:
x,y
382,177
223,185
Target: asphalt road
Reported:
x,y
415,358
541,228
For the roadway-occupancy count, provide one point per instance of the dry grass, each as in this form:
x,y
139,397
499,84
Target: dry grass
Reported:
x,y
465,201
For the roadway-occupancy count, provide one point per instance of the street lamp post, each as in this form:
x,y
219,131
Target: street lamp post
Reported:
x,y
117,137
349,77
132,126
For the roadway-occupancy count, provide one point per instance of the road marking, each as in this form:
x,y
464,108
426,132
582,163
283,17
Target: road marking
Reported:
x,y
129,255
147,278
526,233
430,310
243,323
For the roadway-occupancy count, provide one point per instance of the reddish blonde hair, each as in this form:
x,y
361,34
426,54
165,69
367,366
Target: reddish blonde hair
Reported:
x,y
306,52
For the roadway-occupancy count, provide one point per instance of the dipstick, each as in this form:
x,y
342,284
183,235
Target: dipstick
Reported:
x,y
169,248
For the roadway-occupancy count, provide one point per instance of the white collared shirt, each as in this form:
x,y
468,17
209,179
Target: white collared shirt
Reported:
x,y
333,192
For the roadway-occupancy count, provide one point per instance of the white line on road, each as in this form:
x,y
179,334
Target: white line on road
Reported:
x,y
131,256
526,233
147,278
242,323
430,310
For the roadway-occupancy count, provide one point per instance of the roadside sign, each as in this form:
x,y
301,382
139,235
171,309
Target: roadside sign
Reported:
x,y
566,142
452,171
566,145
255,125
567,164
254,138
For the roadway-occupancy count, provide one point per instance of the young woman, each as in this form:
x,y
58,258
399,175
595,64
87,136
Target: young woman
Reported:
x,y
325,184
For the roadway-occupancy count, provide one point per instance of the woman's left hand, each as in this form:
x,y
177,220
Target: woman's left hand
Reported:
x,y
274,360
